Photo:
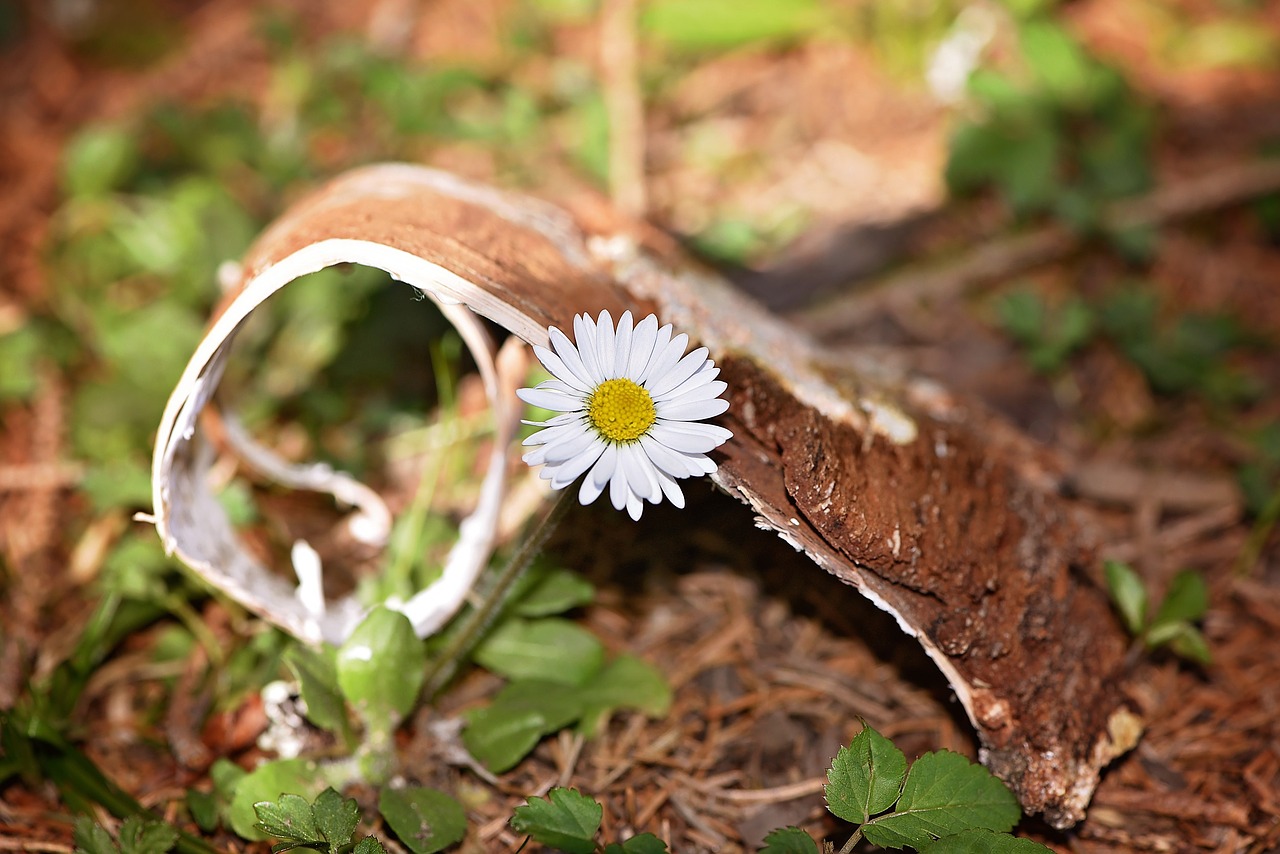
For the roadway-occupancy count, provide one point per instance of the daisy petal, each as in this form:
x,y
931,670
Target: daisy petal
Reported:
x,y
667,359
706,391
584,332
642,341
604,346
622,345
671,462
569,356
635,507
661,341
570,446
556,421
683,370
604,468
671,490
695,410
695,382
588,492
559,369
618,489
678,437
556,401
640,474
569,471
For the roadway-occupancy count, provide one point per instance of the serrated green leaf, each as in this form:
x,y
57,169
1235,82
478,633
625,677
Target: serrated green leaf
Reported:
x,y
626,682
268,782
944,794
203,807
92,838
288,817
335,817
380,668
789,840
423,819
977,841
499,738
565,819
140,836
552,649
644,843
1128,594
368,845
555,592
1186,600
865,777
317,675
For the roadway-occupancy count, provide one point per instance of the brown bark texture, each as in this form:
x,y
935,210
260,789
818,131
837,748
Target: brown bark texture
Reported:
x,y
935,510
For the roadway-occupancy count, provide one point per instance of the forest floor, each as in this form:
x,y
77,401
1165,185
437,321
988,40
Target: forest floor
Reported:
x,y
772,662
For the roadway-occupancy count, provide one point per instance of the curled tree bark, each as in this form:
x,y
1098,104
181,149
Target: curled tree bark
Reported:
x,y
937,512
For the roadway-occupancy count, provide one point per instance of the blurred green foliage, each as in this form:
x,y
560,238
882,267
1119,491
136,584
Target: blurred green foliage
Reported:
x,y
1190,354
1060,134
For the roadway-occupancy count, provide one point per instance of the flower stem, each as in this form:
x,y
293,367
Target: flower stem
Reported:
x,y
445,665
853,840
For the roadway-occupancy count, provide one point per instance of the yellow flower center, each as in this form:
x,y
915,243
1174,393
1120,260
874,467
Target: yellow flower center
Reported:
x,y
621,410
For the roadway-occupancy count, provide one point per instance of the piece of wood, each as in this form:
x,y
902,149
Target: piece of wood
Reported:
x,y
936,511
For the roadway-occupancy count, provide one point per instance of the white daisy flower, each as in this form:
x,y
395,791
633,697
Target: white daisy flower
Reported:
x,y
630,401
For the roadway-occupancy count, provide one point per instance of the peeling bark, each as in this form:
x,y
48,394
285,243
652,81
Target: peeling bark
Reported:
x,y
936,511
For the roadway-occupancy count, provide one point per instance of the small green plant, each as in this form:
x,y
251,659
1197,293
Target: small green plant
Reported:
x,y
941,804
1049,335
1173,625
1061,134
425,821
137,836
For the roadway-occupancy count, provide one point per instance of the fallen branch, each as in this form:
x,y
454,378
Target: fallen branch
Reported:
x,y
939,514
1001,258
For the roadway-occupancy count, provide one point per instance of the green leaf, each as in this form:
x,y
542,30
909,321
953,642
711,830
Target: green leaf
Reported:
x,y
142,836
380,668
865,777
268,782
368,845
556,592
424,820
552,649
203,807
499,738
99,159
335,817
977,841
1058,60
1181,637
565,819
289,817
789,840
504,732
19,356
1128,594
317,675
1186,600
92,838
944,794
643,843
626,682
700,25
